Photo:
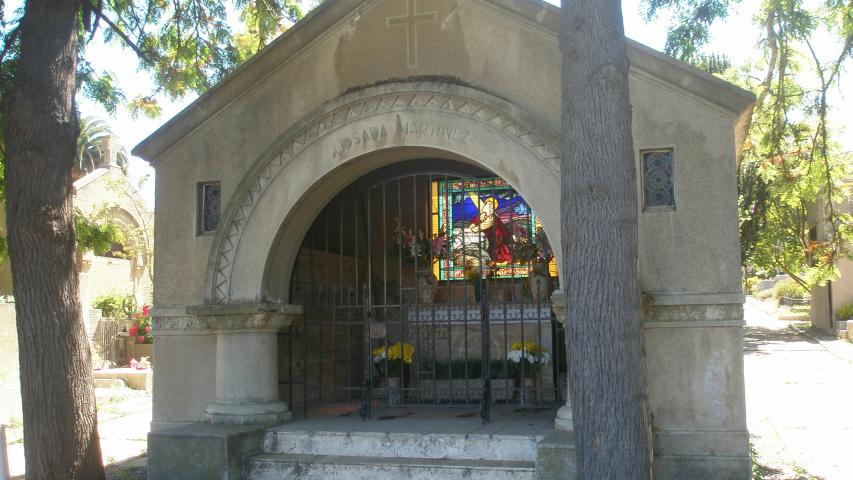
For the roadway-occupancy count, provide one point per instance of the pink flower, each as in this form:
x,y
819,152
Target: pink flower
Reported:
x,y
148,329
133,330
140,339
146,310
136,315
438,244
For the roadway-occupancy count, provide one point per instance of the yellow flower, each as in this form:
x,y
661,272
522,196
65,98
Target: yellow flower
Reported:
x,y
529,347
394,352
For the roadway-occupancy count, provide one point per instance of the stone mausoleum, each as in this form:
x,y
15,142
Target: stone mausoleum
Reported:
x,y
358,259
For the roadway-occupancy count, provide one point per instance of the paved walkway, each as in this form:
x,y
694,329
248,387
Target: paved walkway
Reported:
x,y
799,397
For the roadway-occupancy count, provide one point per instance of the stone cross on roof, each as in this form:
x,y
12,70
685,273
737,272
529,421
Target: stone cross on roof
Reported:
x,y
410,22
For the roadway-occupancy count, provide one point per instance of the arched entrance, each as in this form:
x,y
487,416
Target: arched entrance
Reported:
x,y
424,283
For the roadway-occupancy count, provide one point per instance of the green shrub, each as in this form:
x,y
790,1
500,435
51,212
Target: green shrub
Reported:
x,y
500,369
789,289
845,312
110,305
749,284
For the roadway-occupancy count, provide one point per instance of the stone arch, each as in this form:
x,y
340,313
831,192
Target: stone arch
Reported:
x,y
265,220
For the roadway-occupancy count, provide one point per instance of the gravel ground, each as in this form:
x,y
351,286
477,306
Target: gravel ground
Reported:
x,y
124,418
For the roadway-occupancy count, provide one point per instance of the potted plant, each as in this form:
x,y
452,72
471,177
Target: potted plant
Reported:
x,y
392,363
528,359
140,335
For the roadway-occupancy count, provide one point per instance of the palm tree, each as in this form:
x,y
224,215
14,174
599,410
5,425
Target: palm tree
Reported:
x,y
90,147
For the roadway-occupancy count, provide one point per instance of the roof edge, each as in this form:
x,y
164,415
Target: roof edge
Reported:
x,y
264,62
698,82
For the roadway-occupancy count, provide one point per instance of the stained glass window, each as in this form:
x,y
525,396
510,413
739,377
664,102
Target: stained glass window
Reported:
x,y
483,220
658,188
209,207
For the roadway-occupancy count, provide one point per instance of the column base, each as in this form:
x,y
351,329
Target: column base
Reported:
x,y
564,419
256,413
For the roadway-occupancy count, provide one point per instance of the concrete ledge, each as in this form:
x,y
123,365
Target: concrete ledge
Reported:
x,y
555,456
133,378
202,451
707,468
700,443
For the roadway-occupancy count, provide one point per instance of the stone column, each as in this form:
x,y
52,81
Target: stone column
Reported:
x,y
246,361
564,414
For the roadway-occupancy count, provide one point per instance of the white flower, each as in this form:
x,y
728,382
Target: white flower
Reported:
x,y
514,356
545,359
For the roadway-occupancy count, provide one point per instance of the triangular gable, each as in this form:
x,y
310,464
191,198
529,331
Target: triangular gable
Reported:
x,y
297,39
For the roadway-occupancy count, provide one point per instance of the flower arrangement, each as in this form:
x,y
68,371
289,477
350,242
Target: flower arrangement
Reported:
x,y
419,246
142,364
535,357
141,328
534,250
391,361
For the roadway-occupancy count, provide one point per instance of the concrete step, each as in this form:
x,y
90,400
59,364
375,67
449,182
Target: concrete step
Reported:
x,y
275,466
402,445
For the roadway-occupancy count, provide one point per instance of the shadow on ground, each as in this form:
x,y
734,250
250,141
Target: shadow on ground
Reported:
x,y
760,340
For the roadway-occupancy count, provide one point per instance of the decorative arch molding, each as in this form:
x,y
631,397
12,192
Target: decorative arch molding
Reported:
x,y
349,111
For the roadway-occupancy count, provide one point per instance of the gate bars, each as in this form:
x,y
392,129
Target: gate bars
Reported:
x,y
404,305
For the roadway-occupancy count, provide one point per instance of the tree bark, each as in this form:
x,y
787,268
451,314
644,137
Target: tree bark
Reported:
x,y
40,127
599,232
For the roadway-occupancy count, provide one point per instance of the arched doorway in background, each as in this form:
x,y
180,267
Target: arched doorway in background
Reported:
x,y
409,278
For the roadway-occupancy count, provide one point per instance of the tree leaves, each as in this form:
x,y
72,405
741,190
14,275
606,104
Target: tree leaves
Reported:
x,y
790,178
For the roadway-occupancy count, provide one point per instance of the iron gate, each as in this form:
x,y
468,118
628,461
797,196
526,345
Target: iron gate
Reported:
x,y
424,290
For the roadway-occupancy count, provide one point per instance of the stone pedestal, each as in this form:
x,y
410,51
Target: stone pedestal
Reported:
x,y
246,361
563,421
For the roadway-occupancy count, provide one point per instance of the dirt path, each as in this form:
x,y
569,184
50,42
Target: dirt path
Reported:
x,y
798,394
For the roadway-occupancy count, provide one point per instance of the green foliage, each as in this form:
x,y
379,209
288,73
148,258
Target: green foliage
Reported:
x,y
110,305
95,235
189,46
693,19
750,283
90,153
470,369
789,289
845,312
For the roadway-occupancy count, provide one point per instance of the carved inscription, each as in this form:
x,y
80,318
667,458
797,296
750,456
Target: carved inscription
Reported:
x,y
378,135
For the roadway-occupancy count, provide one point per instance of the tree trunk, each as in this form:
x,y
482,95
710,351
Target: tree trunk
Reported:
x,y
40,127
599,232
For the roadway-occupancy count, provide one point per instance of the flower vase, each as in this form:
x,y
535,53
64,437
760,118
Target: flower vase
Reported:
x,y
426,287
527,392
479,291
395,396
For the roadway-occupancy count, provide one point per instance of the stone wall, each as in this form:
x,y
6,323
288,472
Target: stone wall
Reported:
x,y
10,386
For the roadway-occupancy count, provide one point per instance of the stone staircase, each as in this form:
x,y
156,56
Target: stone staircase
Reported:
x,y
293,454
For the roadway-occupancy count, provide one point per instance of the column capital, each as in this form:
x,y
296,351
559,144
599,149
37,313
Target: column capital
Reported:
x,y
224,318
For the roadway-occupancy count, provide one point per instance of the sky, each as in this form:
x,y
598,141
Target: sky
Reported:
x,y
736,37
